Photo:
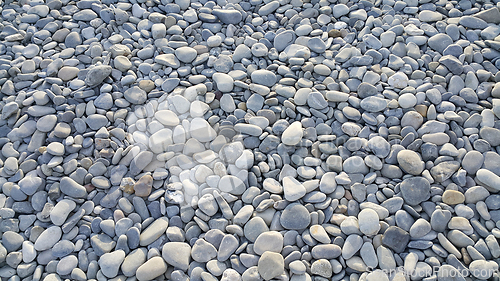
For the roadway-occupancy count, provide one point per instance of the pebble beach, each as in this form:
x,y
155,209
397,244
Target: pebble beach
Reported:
x,y
249,140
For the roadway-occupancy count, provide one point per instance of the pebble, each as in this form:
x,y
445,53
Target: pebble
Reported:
x,y
293,134
368,222
293,189
415,190
395,238
110,263
295,216
410,162
270,265
48,238
135,95
71,188
203,251
151,269
177,254
154,231
271,241
97,74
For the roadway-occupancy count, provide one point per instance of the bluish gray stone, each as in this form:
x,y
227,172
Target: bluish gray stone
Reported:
x,y
415,190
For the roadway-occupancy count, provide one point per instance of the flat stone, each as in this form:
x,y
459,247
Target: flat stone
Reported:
x,y
295,216
186,54
410,162
322,267
453,197
135,95
316,100
71,188
482,269
439,42
268,9
133,261
436,138
56,149
326,251
429,16
102,243
284,39
491,15
97,75
203,251
488,179
232,185
268,241
48,238
367,253
355,165
420,228
368,222
271,265
254,227
66,265
30,184
228,245
143,186
151,269
224,82
452,63
293,189
398,80
351,246
227,103
319,233
171,61
228,16
154,231
396,239
177,254
415,190
373,104
316,45
379,146
12,241
110,263
444,170
263,77
472,22
208,204
491,135
293,134
61,211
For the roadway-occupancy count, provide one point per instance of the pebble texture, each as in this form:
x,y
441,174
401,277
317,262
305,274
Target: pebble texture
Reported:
x,y
249,140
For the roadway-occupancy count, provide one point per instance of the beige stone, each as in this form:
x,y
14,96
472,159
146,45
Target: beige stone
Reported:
x,y
453,197
143,186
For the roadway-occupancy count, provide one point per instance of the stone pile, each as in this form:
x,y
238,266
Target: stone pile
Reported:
x,y
262,140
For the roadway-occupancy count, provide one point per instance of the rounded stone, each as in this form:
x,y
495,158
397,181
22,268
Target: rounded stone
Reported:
x,y
271,265
151,269
268,241
295,216
368,222
453,197
410,162
177,254
415,190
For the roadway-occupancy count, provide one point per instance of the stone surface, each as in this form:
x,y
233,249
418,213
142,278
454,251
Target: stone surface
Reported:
x,y
415,190
270,265
249,140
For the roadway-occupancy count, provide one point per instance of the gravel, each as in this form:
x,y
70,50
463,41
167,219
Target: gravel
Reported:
x,y
276,140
